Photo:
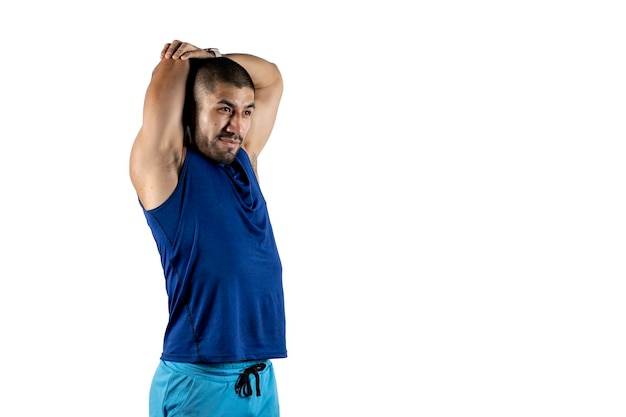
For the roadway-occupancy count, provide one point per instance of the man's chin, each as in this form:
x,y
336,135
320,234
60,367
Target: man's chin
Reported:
x,y
219,154
224,157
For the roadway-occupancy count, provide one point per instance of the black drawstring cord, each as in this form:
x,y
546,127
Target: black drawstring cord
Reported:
x,y
242,386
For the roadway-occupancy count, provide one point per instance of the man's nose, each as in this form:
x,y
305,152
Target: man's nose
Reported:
x,y
235,125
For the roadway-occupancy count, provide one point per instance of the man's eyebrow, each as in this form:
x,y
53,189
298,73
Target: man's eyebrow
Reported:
x,y
231,104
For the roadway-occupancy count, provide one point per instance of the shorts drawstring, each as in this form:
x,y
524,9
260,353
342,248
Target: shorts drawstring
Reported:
x,y
242,386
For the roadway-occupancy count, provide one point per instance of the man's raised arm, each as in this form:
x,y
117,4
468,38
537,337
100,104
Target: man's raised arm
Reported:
x,y
157,152
268,84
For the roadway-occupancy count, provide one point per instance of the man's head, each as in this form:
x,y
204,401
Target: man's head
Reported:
x,y
220,103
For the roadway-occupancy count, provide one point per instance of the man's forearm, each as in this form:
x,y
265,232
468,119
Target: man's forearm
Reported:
x,y
165,96
264,73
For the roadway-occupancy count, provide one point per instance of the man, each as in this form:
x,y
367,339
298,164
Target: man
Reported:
x,y
193,164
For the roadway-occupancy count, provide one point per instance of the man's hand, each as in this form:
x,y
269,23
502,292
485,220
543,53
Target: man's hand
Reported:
x,y
183,50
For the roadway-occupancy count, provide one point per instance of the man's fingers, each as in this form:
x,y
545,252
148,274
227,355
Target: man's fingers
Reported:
x,y
195,53
183,50
167,45
171,49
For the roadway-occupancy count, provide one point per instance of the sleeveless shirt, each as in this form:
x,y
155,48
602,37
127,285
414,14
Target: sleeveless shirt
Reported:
x,y
223,274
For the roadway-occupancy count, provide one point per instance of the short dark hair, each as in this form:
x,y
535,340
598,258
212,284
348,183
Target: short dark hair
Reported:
x,y
205,74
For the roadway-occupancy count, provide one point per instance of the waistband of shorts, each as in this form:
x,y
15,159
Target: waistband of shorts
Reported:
x,y
233,369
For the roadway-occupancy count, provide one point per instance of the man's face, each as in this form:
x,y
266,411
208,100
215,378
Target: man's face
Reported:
x,y
222,122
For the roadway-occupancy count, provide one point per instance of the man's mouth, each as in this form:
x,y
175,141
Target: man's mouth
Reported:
x,y
231,141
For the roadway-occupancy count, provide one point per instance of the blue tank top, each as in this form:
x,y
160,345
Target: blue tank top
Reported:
x,y
223,274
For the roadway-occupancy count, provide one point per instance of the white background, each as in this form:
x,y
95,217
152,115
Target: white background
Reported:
x,y
445,179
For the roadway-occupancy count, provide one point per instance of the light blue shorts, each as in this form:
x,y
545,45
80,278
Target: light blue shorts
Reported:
x,y
214,390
